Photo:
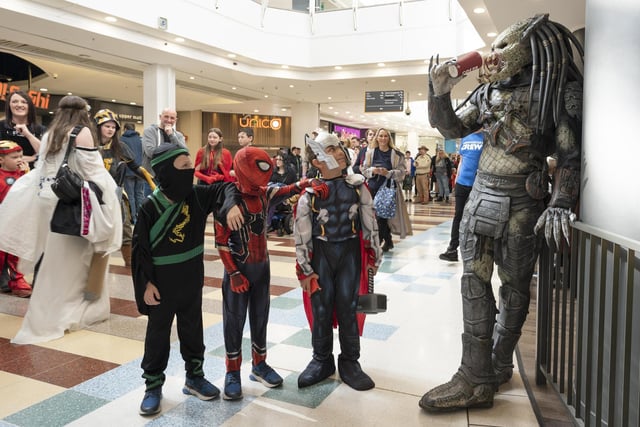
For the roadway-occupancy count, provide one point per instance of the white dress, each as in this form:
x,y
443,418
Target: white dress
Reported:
x,y
58,300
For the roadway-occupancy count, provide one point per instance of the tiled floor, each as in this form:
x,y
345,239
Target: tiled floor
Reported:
x,y
93,377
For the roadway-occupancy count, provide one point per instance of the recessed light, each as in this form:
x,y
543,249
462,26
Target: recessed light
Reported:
x,y
337,67
132,103
330,108
231,55
256,111
111,19
44,89
286,67
393,80
492,34
328,97
234,88
266,96
69,93
291,86
381,64
179,39
191,78
113,100
283,109
479,10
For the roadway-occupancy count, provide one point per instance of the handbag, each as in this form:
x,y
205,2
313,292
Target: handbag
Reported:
x,y
385,202
67,183
71,218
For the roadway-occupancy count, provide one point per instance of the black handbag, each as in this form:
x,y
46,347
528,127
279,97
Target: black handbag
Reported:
x,y
67,183
67,217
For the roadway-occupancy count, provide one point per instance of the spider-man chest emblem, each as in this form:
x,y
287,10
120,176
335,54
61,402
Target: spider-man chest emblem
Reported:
x,y
249,244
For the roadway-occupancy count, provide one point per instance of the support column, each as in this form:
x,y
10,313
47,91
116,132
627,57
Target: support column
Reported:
x,y
305,118
159,91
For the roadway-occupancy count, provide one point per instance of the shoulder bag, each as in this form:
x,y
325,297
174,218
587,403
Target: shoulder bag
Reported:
x,y
67,183
385,202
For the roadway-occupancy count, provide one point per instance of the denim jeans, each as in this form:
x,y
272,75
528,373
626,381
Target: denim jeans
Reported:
x,y
134,187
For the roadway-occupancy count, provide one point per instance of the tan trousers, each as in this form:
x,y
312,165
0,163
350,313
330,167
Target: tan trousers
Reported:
x,y
422,188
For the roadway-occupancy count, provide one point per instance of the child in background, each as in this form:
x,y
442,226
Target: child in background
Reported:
x,y
12,167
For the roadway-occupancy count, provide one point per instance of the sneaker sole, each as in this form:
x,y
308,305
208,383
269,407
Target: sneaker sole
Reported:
x,y
257,378
193,392
227,397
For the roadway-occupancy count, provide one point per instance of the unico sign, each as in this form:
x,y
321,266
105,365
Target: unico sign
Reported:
x,y
260,122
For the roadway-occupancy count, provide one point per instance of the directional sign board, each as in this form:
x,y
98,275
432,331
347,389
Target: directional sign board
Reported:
x,y
386,100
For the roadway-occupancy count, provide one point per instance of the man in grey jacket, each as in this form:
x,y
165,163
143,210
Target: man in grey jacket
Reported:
x,y
157,134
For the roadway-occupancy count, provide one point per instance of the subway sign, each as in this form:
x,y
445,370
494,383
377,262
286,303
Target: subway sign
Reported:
x,y
40,100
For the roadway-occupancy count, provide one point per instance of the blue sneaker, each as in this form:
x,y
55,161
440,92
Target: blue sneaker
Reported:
x,y
232,386
200,388
266,375
151,402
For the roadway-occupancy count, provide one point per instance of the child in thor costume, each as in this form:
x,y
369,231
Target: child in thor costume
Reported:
x,y
336,241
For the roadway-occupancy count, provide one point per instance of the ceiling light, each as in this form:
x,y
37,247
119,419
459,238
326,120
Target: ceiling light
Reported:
x,y
111,19
113,100
233,88
283,109
191,78
330,108
479,10
132,103
285,67
69,93
179,39
231,55
44,89
393,80
337,67
380,64
492,34
291,86
256,111
328,97
266,96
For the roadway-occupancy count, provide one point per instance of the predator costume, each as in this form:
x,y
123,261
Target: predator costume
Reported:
x,y
336,240
247,276
528,106
168,250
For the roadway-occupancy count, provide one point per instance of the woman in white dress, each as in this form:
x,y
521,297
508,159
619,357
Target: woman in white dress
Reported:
x,y
60,301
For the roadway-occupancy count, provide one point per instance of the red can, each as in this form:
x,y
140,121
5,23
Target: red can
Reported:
x,y
465,63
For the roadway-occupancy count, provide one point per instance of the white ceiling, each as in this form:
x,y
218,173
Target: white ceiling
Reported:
x,y
96,74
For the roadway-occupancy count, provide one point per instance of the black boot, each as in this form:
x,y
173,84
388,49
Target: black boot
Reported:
x,y
449,255
349,368
322,366
473,386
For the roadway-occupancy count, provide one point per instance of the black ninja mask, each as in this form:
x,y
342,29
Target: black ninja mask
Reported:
x,y
176,184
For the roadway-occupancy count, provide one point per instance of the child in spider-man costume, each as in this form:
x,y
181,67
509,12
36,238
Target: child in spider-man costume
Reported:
x,y
247,275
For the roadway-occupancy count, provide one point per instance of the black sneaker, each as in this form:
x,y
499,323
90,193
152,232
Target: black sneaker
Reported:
x,y
449,255
151,402
200,388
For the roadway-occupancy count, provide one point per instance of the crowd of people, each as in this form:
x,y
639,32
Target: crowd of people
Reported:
x,y
144,185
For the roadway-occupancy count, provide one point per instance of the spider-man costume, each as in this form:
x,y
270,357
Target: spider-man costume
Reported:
x,y
247,275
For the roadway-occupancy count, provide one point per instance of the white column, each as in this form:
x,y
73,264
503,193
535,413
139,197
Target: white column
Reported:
x,y
159,91
305,118
413,142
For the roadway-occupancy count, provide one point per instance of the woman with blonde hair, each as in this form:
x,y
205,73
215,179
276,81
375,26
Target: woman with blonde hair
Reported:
x,y
61,300
213,161
384,161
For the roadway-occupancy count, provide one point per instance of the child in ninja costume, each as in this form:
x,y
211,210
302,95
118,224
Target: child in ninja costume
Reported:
x,y
12,167
168,268
337,245
247,275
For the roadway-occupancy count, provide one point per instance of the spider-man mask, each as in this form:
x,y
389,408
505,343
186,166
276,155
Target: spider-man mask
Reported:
x,y
253,169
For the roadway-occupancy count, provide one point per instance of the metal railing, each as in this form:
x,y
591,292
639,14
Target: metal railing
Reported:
x,y
588,333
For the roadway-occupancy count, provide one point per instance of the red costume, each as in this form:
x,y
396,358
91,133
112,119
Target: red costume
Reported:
x,y
10,278
214,173
245,285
